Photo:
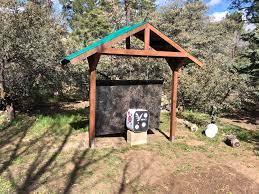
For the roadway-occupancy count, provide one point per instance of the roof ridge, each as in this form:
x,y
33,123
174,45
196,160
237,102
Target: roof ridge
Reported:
x,y
104,40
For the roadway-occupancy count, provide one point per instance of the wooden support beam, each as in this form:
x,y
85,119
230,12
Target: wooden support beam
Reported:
x,y
173,104
141,53
93,61
175,72
147,39
128,43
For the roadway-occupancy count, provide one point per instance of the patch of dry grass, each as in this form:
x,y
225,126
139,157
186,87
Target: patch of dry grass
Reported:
x,y
34,157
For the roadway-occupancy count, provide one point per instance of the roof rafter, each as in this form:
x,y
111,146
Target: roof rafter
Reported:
x,y
142,31
175,45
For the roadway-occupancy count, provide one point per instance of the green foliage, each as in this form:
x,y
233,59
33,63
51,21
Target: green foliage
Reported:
x,y
33,41
218,83
198,118
248,61
29,52
90,26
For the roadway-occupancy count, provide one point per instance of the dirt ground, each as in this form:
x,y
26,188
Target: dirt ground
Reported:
x,y
50,164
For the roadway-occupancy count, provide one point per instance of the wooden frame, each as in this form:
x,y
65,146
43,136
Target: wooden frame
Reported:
x,y
141,53
93,61
174,59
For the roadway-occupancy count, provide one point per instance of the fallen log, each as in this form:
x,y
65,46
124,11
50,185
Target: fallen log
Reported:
x,y
191,126
231,140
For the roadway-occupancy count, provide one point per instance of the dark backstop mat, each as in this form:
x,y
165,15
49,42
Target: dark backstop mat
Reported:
x,y
115,97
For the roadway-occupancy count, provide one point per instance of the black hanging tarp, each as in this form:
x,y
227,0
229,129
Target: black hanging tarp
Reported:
x,y
115,97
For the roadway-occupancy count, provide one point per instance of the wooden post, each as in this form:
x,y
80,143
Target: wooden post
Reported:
x,y
175,71
173,104
128,43
93,61
147,39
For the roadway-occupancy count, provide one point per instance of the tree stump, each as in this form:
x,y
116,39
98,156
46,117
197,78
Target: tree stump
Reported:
x,y
232,141
10,113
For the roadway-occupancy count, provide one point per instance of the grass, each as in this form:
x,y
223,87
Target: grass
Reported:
x,y
2,118
164,121
5,186
248,139
198,118
59,124
56,124
182,168
110,162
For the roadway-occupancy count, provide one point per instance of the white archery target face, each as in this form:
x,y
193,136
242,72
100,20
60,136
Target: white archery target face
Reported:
x,y
137,120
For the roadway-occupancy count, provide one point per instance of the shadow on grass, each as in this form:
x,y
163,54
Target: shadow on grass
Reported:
x,y
239,118
133,184
12,136
245,135
30,160
80,124
54,109
251,137
163,133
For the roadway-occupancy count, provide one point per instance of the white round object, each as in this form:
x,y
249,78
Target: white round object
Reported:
x,y
211,130
145,115
136,126
144,124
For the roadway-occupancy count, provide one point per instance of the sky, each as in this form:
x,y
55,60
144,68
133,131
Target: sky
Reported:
x,y
217,8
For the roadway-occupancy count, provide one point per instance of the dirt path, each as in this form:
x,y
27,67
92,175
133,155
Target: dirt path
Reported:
x,y
243,123
191,164
161,168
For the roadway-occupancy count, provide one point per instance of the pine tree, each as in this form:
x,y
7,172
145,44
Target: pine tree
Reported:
x,y
248,62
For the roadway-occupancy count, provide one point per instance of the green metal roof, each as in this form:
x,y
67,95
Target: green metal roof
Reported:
x,y
102,41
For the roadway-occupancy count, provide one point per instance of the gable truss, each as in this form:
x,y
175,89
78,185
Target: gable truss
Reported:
x,y
151,49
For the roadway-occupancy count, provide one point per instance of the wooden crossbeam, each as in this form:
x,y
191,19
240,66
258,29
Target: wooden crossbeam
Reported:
x,y
141,53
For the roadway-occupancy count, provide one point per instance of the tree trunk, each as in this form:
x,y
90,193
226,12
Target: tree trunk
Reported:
x,y
5,101
127,11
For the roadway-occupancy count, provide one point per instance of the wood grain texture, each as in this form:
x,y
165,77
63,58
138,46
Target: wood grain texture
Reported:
x,y
147,39
141,53
93,61
173,105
